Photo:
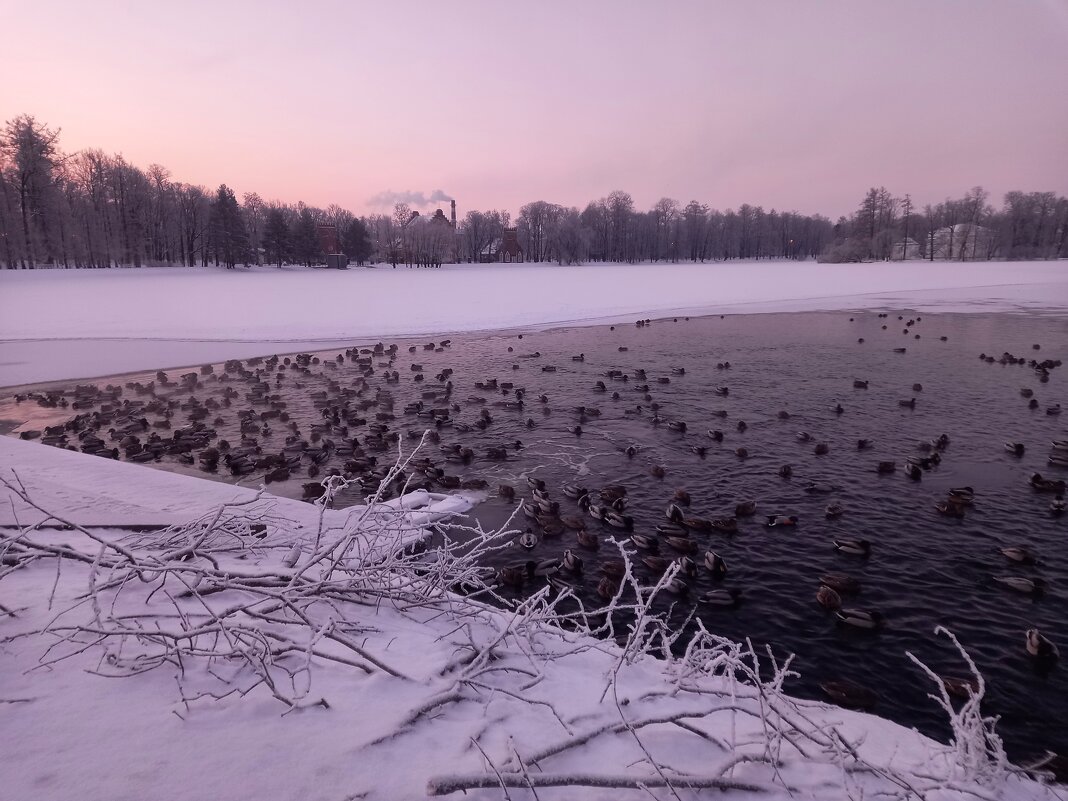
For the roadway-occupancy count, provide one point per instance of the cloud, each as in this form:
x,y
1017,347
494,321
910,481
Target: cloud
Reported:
x,y
414,199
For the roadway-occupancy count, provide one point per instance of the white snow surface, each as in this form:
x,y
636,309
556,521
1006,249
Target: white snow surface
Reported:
x,y
60,324
69,733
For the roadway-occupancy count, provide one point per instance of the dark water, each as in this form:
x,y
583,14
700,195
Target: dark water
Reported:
x,y
924,569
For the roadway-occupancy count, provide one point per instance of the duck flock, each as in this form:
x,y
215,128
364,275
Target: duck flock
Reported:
x,y
620,441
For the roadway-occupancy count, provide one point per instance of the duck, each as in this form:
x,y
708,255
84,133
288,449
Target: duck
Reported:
x,y
574,491
644,542
813,487
511,576
1040,647
949,508
1047,484
841,583
571,562
1055,409
1019,554
681,497
722,391
658,564
908,404
1057,506
682,544
715,564
960,687
1015,448
677,586
774,521
822,449
727,598
849,694
687,566
861,618
853,547
614,568
864,444
1059,445
745,509
803,436
528,540
715,434
834,510
828,598
786,471
1027,586
617,520
962,495
674,513
546,567
608,588
672,530
587,539
858,384
913,471
725,525
1058,460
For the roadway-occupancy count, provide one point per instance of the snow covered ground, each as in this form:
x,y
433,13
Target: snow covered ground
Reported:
x,y
200,662
57,324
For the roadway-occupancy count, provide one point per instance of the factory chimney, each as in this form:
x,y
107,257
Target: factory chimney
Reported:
x,y
453,202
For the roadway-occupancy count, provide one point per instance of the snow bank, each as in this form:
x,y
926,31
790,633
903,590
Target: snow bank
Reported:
x,y
57,324
332,681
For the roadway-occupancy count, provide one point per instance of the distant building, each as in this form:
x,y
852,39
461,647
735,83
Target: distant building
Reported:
x,y
907,248
504,249
963,241
328,240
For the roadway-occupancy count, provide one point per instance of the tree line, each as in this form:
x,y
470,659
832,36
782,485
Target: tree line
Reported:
x,y
91,209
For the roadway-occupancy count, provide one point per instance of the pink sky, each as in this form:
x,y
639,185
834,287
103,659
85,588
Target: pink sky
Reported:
x,y
782,103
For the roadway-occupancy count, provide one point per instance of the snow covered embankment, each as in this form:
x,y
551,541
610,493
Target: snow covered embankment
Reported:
x,y
278,650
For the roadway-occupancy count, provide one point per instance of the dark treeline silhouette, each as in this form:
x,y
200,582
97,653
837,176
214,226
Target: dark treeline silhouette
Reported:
x,y
91,209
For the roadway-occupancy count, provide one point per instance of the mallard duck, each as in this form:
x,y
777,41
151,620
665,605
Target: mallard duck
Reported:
x,y
715,434
644,542
687,566
813,487
1054,409
682,544
853,547
729,598
617,520
861,618
1015,448
658,564
834,510
674,513
1040,647
786,471
821,449
677,586
959,687
546,567
841,583
742,453
913,471
571,562
725,525
574,491
1059,444
962,495
1058,460
804,436
528,540
511,576
949,508
722,391
864,444
573,522
908,404
774,521
596,511
849,694
715,564
1046,484
672,530
677,425
1028,586
607,588
828,598
858,384
745,509
1057,506
614,568
587,540
1019,554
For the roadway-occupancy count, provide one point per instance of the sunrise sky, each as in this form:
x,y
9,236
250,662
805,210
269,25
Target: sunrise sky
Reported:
x,y
782,103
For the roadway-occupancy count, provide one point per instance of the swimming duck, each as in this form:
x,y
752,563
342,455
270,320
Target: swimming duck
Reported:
x,y
607,588
725,525
853,547
849,694
574,491
1059,444
687,566
1058,460
728,598
745,509
960,687
962,495
615,569
913,471
511,576
617,520
863,444
1046,484
1015,448
821,449
834,510
674,513
658,564
571,562
858,384
819,487
1054,409
1019,554
786,471
715,564
741,453
803,436
828,598
528,540
715,434
950,509
682,544
1027,586
587,540
861,618
722,391
841,583
1057,506
681,497
1040,647
644,542
774,521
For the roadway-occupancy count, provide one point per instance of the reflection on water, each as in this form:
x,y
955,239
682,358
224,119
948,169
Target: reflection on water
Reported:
x,y
788,374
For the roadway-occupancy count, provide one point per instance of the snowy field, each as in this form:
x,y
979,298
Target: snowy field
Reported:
x,y
213,660
57,324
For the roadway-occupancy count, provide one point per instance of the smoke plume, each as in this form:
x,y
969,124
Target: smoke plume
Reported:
x,y
414,199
